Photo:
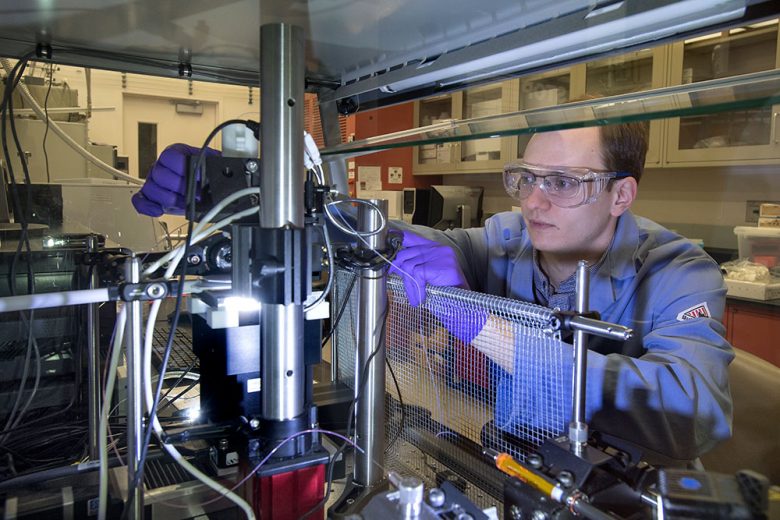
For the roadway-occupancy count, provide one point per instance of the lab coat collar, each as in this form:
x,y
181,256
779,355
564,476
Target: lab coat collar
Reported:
x,y
622,262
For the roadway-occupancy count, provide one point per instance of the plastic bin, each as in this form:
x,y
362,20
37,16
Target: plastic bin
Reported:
x,y
758,244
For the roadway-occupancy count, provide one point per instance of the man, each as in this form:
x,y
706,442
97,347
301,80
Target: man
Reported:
x,y
667,388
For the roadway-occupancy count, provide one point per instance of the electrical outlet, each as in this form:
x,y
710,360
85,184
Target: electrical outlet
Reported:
x,y
753,208
395,175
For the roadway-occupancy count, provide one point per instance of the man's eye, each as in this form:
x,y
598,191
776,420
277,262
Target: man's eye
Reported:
x,y
562,183
526,179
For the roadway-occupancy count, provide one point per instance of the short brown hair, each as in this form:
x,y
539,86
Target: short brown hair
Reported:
x,y
624,147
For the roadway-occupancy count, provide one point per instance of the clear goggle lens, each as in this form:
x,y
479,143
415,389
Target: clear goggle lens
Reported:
x,y
565,187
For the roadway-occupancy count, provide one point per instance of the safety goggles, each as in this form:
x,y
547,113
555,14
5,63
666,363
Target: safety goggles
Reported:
x,y
564,186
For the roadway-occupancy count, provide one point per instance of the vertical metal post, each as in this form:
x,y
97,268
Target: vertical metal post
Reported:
x,y
578,428
281,103
93,357
370,357
134,392
241,275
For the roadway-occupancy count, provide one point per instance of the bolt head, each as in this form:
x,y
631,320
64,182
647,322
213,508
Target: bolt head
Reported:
x,y
436,497
252,166
565,478
539,515
193,260
254,423
534,460
516,513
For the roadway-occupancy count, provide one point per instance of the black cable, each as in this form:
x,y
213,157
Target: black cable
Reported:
x,y
181,378
400,403
340,313
46,111
173,400
190,199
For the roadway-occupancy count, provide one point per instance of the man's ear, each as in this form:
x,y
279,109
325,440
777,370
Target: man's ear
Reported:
x,y
623,195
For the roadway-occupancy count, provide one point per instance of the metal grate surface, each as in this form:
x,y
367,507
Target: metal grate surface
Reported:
x,y
508,389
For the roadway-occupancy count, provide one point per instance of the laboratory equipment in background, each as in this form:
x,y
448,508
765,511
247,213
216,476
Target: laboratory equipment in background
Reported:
x,y
443,207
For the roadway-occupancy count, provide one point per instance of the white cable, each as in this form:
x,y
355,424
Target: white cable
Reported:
x,y
172,451
350,230
116,349
204,221
178,253
65,137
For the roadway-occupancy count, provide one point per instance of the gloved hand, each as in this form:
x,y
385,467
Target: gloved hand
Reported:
x,y
166,185
423,261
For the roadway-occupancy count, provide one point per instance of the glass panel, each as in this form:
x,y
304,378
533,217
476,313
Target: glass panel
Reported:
x,y
750,91
477,104
541,92
147,147
619,75
729,53
435,112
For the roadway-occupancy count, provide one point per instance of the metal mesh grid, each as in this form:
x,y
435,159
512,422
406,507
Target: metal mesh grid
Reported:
x,y
509,389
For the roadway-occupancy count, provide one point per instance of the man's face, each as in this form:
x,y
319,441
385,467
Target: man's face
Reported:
x,y
581,232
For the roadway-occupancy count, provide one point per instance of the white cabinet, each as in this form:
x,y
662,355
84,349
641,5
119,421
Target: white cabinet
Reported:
x,y
748,136
470,155
632,72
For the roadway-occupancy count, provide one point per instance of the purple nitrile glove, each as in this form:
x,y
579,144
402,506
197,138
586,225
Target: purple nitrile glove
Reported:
x,y
166,185
424,262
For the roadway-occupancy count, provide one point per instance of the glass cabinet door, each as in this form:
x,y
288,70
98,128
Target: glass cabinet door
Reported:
x,y
742,135
632,72
435,157
482,154
541,91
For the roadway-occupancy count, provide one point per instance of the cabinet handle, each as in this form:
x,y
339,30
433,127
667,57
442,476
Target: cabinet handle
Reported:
x,y
774,125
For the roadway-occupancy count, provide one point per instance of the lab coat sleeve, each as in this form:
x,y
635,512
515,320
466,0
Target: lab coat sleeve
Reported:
x,y
675,398
673,401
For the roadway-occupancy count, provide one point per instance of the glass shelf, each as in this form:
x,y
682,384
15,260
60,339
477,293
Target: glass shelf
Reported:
x,y
755,90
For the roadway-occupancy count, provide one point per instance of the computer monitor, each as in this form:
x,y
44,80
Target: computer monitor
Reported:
x,y
455,207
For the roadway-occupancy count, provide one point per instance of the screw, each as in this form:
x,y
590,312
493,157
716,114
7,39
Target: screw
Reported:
x,y
254,423
539,515
193,260
534,460
566,478
516,513
436,497
155,290
252,166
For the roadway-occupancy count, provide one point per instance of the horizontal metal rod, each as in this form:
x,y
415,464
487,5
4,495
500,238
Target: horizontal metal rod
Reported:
x,y
600,328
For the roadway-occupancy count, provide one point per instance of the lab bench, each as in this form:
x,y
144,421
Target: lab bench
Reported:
x,y
754,326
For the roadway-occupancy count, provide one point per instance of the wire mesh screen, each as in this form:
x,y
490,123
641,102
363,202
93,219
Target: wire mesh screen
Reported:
x,y
466,371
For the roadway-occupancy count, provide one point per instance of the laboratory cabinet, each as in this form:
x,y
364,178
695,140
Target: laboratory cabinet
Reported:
x,y
747,136
636,71
471,155
631,72
755,327
734,137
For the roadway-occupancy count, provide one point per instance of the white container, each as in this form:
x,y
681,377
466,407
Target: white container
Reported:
x,y
759,244
753,290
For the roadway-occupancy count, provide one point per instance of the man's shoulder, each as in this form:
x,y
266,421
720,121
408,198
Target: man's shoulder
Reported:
x,y
672,260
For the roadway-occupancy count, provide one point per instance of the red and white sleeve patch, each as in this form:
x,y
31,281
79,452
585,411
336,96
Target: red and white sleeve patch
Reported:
x,y
699,310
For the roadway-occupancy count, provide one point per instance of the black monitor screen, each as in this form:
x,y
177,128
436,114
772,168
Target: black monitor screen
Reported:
x,y
455,206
